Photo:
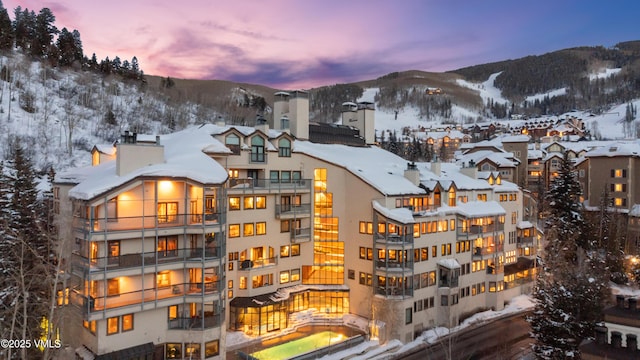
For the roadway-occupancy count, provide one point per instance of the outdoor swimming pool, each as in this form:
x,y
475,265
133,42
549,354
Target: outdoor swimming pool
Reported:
x,y
300,346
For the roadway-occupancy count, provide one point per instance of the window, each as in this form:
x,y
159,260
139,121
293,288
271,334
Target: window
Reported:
x,y
363,253
295,275
274,176
452,197
248,202
261,202
90,325
295,250
620,202
243,283
234,230
234,203
261,228
113,287
284,251
163,279
619,173
444,300
112,209
233,143
257,149
619,187
167,212
434,251
284,148
173,312
285,226
127,322
173,351
114,251
112,325
284,277
212,348
192,351
167,246
351,274
514,217
482,197
248,229
408,316
285,176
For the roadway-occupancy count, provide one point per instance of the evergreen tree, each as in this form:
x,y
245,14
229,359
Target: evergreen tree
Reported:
x,y
6,29
67,44
571,288
24,24
44,32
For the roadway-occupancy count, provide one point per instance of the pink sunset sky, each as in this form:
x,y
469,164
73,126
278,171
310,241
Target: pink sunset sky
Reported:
x,y
302,44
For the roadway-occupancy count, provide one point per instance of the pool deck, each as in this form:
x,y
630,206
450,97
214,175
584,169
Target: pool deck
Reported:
x,y
299,333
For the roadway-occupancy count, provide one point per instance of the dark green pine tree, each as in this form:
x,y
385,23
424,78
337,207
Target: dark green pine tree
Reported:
x,y
6,30
32,250
24,25
44,32
68,47
571,288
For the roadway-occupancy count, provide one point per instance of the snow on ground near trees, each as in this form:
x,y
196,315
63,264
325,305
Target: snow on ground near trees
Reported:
x,y
486,89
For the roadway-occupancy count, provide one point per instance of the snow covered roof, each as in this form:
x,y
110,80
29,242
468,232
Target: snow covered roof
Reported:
x,y
184,155
501,159
524,225
449,263
480,208
107,149
379,168
616,149
401,215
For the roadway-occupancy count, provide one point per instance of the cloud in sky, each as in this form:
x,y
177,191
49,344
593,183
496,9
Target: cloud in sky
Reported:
x,y
300,44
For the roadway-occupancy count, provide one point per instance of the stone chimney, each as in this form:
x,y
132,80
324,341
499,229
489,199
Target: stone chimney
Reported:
x,y
412,173
633,304
620,301
616,339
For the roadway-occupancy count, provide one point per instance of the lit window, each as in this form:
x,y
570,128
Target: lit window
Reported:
x,y
167,212
261,228
192,351
261,202
284,251
248,202
113,287
248,229
167,246
295,275
112,325
212,348
163,279
234,230
284,277
234,203
243,283
173,351
452,197
617,187
295,250
234,173
127,322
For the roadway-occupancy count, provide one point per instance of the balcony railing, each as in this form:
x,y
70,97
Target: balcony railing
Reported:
x,y
271,185
144,222
525,241
480,229
394,291
146,259
300,235
393,238
289,211
90,304
394,264
448,282
246,265
195,323
487,250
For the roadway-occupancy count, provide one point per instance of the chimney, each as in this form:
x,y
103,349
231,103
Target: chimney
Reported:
x,y
471,170
601,335
412,173
131,155
220,121
280,108
620,301
633,303
632,342
262,125
436,167
299,114
616,339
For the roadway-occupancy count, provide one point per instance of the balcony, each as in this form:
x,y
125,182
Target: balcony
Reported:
x,y
144,222
394,291
488,250
394,265
525,241
247,265
151,296
300,235
241,186
480,230
127,261
292,211
393,239
195,323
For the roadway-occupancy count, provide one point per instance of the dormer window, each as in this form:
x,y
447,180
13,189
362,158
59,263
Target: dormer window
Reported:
x,y
233,143
257,149
284,148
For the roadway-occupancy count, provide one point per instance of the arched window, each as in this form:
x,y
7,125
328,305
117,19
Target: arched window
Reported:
x,y
257,149
284,148
233,143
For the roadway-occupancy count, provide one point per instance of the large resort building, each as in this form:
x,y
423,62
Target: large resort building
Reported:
x,y
175,241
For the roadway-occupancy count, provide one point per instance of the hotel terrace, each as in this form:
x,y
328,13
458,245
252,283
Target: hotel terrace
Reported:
x,y
174,241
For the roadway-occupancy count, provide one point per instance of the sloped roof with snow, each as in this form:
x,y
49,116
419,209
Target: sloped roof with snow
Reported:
x,y
501,159
616,149
184,155
480,208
